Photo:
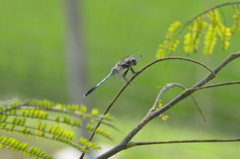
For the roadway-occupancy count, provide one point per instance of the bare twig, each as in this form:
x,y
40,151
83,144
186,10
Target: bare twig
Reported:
x,y
216,85
133,144
199,109
170,85
152,114
195,102
165,88
209,77
134,76
218,6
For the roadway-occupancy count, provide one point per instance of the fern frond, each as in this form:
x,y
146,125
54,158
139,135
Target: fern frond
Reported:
x,y
15,145
14,117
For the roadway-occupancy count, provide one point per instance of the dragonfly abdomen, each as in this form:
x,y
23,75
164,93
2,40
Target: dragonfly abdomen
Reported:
x,y
92,89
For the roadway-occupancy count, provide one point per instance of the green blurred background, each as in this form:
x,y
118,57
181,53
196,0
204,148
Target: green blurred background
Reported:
x,y
36,61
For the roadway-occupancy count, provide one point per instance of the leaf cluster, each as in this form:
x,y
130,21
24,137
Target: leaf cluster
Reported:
x,y
36,119
209,26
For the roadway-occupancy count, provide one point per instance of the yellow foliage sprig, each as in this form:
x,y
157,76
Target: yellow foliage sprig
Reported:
x,y
236,25
164,117
207,24
169,45
216,27
225,34
210,40
192,38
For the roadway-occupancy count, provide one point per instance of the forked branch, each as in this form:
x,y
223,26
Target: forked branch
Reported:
x,y
155,113
134,76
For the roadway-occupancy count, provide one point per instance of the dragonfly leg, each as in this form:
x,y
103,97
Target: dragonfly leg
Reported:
x,y
124,75
133,72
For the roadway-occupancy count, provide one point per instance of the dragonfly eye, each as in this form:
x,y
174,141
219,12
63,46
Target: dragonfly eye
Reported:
x,y
134,61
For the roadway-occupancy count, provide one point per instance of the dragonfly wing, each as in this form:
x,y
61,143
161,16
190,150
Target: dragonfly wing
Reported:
x,y
125,59
118,76
117,72
139,58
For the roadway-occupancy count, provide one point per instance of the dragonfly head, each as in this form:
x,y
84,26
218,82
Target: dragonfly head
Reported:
x,y
134,61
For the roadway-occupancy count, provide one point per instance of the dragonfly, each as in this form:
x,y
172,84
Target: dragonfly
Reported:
x,y
125,64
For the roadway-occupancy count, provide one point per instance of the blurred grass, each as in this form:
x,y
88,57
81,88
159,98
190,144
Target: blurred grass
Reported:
x,y
32,64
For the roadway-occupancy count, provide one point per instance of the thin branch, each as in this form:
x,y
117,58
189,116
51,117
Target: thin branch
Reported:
x,y
199,109
133,144
216,85
134,76
141,70
165,88
152,114
170,85
218,6
195,102
188,92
